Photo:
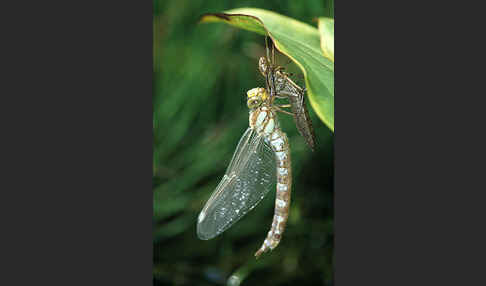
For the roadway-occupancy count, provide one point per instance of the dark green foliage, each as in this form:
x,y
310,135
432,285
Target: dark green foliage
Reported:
x,y
201,75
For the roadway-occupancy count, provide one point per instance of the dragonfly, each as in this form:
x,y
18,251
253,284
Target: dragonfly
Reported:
x,y
261,158
279,85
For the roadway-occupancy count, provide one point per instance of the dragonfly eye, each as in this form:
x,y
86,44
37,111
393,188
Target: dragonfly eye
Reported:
x,y
254,102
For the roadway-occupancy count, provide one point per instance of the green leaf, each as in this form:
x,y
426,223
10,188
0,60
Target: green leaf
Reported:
x,y
326,29
298,41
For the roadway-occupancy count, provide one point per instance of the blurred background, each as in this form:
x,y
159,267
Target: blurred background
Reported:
x,y
200,77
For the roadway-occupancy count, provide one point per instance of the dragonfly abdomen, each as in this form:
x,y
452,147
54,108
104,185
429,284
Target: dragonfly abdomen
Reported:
x,y
279,142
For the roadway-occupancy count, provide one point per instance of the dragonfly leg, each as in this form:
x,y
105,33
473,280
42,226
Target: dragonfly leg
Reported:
x,y
283,111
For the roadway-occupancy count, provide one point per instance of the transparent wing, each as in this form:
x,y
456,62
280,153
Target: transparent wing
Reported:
x,y
247,180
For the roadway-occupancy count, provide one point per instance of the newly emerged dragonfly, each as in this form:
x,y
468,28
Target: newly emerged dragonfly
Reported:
x,y
262,155
280,85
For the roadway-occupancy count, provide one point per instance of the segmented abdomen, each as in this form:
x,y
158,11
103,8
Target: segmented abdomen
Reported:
x,y
264,121
278,141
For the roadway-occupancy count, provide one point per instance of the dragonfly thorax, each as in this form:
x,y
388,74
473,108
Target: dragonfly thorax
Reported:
x,y
264,120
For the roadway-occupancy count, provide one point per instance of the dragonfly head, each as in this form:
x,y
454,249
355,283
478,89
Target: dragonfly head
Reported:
x,y
263,65
256,96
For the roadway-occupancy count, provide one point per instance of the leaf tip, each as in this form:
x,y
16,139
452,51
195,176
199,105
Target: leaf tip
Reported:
x,y
212,17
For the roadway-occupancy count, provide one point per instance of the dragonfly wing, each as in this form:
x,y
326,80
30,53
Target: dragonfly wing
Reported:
x,y
247,180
